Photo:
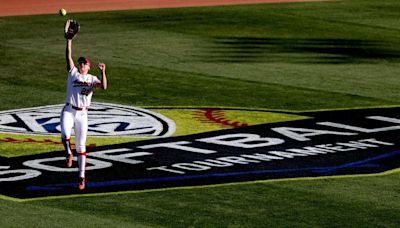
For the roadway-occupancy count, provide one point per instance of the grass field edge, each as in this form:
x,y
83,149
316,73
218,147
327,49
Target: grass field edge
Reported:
x,y
386,173
257,109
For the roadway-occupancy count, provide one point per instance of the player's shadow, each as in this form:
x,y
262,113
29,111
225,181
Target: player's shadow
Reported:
x,y
330,51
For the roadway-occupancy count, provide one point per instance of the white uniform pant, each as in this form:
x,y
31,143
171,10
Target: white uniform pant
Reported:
x,y
71,118
77,119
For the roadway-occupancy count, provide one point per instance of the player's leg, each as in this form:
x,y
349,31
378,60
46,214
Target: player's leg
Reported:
x,y
81,128
67,122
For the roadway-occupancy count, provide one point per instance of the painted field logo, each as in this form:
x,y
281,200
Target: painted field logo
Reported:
x,y
346,142
104,120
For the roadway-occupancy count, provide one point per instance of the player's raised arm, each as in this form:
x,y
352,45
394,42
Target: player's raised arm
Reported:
x,y
68,55
103,84
71,29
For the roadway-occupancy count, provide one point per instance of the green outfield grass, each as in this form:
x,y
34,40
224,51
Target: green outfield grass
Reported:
x,y
295,56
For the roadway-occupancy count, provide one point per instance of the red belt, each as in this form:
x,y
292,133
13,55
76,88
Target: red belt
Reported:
x,y
77,108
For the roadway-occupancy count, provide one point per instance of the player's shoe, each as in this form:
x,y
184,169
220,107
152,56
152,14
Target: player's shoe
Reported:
x,y
81,185
69,160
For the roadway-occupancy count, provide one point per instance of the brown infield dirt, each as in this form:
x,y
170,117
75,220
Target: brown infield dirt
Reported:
x,y
35,7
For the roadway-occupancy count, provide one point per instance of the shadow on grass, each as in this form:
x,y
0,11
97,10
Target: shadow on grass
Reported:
x,y
330,51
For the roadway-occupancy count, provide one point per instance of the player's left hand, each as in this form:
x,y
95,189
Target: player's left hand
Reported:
x,y
102,66
71,29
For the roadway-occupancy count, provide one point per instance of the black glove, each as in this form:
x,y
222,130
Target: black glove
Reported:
x,y
71,29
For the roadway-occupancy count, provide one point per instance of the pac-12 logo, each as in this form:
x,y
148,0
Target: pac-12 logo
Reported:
x,y
104,120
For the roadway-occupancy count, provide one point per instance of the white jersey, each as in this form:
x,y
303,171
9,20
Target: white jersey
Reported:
x,y
80,88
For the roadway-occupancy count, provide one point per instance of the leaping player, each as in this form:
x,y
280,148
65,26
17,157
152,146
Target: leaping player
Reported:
x,y
80,86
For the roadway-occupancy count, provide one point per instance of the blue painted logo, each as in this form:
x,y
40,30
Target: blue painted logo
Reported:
x,y
104,120
347,142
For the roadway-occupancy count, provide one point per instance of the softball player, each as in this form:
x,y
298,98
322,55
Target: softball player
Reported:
x,y
80,86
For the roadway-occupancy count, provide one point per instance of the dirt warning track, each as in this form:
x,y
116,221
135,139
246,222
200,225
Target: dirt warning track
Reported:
x,y
34,7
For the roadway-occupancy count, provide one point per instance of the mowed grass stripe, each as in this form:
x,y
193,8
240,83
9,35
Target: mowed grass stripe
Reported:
x,y
336,54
